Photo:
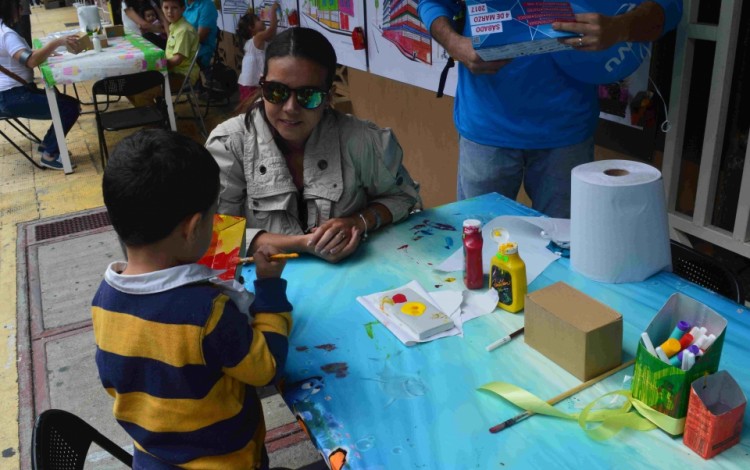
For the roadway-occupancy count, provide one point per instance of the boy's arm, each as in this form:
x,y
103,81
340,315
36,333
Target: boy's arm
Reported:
x,y
256,353
186,45
174,61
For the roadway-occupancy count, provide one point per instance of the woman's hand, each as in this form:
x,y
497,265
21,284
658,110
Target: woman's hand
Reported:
x,y
265,267
595,32
335,239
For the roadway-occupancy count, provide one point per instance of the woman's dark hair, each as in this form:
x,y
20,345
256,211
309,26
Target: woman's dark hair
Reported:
x,y
244,24
8,11
304,43
147,7
154,179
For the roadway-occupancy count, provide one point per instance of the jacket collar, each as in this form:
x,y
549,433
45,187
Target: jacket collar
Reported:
x,y
157,281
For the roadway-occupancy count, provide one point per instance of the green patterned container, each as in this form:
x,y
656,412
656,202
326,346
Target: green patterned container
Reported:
x,y
661,386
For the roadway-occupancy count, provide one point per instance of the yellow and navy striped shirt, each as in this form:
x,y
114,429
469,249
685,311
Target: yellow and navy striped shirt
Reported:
x,y
182,361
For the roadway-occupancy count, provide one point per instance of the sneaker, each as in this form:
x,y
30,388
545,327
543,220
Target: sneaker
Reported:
x,y
55,164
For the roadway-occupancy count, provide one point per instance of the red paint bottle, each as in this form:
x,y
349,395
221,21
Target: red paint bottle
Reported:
x,y
472,238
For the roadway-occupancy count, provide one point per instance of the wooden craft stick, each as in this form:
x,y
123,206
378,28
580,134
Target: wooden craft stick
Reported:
x,y
562,396
250,259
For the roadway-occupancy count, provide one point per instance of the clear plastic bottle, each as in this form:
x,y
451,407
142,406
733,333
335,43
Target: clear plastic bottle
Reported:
x,y
473,266
508,277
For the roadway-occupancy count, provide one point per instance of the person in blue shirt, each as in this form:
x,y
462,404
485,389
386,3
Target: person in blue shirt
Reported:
x,y
526,120
202,14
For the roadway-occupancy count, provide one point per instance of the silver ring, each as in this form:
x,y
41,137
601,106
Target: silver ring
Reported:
x,y
580,41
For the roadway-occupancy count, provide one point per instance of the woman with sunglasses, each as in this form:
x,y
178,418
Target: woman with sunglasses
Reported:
x,y
306,177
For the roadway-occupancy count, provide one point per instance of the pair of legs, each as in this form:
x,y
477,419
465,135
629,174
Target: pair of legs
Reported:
x,y
32,104
545,173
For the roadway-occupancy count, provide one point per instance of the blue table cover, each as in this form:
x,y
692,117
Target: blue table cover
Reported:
x,y
363,394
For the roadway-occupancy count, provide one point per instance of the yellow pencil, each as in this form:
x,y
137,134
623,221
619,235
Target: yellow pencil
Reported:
x,y
250,259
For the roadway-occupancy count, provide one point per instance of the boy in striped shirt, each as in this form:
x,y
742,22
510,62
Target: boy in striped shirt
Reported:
x,y
180,352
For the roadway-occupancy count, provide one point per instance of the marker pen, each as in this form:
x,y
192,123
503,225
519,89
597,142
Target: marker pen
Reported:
x,y
679,330
671,347
660,354
647,343
686,340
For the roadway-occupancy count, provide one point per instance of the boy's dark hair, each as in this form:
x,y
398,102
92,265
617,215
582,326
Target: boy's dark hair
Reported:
x,y
244,24
305,43
180,2
154,179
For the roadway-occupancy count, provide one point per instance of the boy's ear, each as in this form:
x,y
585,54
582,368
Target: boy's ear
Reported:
x,y
190,227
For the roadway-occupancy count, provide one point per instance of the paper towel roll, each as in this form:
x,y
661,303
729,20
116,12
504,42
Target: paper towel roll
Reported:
x,y
88,18
618,221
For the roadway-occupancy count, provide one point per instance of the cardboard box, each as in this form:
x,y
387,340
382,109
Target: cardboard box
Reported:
x,y
661,386
227,242
503,29
114,31
714,417
578,333
84,43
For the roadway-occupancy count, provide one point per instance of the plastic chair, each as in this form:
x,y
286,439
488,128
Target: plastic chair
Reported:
x,y
705,271
128,118
23,130
187,90
61,440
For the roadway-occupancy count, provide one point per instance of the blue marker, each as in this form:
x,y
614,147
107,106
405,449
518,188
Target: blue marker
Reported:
x,y
679,330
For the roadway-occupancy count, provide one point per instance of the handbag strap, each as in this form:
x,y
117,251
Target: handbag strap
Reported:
x,y
13,76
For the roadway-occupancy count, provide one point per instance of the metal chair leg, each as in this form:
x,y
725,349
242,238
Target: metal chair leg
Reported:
x,y
23,130
23,152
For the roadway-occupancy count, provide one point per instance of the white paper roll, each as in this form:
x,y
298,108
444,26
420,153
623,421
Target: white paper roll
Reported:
x,y
618,221
88,18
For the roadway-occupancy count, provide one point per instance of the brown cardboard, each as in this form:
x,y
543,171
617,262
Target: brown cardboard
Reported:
x,y
84,43
114,31
578,333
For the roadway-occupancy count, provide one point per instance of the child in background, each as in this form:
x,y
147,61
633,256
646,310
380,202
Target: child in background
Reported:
x,y
180,353
253,31
149,14
182,44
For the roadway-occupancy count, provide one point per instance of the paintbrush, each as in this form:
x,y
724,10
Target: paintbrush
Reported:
x,y
561,397
505,339
250,259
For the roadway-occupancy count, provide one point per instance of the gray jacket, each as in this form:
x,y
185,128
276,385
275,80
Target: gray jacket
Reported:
x,y
348,164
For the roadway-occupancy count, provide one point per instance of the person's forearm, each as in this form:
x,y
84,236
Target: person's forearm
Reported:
x,y
287,243
442,31
174,61
203,34
644,23
372,218
136,18
38,56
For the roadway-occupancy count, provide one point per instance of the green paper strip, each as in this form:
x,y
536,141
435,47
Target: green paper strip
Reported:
x,y
151,53
612,421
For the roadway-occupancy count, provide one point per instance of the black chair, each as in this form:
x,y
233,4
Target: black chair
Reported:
x,y
61,441
706,271
127,118
24,131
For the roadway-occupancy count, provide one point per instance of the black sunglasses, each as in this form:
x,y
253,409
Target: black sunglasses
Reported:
x,y
277,93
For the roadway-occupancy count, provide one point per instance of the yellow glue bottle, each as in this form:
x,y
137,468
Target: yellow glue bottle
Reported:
x,y
508,277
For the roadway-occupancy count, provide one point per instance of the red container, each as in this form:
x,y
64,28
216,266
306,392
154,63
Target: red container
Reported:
x,y
472,238
358,38
293,18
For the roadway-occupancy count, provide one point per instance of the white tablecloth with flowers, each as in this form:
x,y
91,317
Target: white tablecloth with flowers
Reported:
x,y
124,55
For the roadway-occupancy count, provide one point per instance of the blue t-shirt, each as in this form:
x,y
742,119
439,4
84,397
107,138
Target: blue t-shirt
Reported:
x,y
203,14
530,103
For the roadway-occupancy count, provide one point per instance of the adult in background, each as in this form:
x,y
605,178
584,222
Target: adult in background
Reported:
x,y
19,97
202,14
525,119
306,177
134,23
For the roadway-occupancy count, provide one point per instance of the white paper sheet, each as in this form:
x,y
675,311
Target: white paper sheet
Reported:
x,y
532,245
460,306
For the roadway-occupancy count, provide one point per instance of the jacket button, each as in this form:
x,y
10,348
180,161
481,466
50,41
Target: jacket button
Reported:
x,y
262,170
255,203
322,164
335,185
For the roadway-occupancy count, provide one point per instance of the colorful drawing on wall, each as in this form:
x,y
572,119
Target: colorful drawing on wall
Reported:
x,y
288,16
338,20
401,48
231,10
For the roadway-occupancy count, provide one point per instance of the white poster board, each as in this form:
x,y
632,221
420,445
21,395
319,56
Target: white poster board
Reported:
x,y
231,11
337,21
400,47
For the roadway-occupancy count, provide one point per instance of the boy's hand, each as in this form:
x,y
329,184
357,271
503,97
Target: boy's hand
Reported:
x,y
264,267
